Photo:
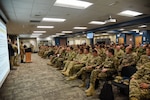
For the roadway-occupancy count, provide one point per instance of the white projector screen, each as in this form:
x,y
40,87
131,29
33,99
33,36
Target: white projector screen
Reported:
x,y
4,60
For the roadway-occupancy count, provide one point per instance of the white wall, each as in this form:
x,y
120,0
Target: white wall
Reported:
x,y
49,40
112,37
28,41
77,40
81,40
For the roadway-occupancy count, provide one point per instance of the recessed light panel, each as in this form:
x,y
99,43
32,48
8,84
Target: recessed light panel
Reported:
x,y
77,4
129,13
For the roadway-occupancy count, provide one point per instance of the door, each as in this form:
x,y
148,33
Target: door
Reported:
x,y
63,41
121,40
138,39
129,39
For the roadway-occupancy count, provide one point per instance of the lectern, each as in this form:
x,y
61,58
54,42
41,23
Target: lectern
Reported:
x,y
28,55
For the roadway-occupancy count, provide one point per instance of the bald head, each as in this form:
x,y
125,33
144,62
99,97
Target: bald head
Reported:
x,y
118,48
128,49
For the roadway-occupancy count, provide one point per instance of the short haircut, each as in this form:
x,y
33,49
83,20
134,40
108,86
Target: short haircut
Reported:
x,y
81,49
71,48
111,51
88,49
94,50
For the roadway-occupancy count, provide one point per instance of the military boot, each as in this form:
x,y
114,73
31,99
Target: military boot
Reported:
x,y
133,98
72,78
90,91
88,88
83,84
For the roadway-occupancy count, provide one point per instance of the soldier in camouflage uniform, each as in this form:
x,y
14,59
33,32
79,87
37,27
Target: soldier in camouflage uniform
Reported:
x,y
77,58
119,53
54,57
77,65
14,46
94,61
144,58
101,51
140,84
59,61
141,51
22,52
106,69
127,60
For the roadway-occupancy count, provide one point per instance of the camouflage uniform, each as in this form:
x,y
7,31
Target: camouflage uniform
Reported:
x,y
141,76
127,60
15,55
77,58
94,61
22,52
140,51
110,64
143,59
101,53
76,65
61,58
119,54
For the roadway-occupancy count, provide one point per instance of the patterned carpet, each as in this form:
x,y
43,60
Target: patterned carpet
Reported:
x,y
38,81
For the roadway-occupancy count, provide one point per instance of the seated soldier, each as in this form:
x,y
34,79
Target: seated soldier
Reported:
x,y
77,65
140,84
90,65
127,60
77,58
59,61
106,69
141,50
119,53
101,51
144,58
54,57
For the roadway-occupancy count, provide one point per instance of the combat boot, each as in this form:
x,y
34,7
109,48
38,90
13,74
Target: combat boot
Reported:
x,y
72,78
88,88
91,91
133,98
66,73
82,85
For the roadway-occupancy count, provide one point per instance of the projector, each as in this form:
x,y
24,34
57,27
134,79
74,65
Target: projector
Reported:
x,y
111,20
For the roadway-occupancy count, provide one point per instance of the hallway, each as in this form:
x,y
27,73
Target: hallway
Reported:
x,y
38,81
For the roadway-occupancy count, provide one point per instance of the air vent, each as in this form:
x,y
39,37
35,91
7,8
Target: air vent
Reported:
x,y
35,21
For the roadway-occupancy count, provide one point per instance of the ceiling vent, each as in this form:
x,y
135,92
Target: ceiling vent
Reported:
x,y
35,21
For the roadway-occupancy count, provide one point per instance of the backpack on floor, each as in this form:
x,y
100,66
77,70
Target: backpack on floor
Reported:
x,y
106,92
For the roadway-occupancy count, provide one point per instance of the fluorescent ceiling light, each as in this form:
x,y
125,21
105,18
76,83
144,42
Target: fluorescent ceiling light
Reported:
x,y
97,22
129,13
77,4
80,28
121,29
60,33
54,35
39,31
53,19
36,34
45,26
66,31
136,30
142,26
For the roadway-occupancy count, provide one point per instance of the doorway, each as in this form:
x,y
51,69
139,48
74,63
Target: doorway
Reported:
x,y
138,39
121,40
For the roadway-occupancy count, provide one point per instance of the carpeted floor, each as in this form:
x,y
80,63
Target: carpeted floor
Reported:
x,y
38,81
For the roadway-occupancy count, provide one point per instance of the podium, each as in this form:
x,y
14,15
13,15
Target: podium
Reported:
x,y
28,55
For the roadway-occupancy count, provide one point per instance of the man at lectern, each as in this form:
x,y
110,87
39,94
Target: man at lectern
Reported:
x,y
22,52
